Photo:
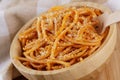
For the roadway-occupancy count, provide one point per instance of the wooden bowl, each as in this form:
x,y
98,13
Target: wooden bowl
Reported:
x,y
85,70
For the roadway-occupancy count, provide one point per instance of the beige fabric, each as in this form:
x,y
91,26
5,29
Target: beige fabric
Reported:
x,y
13,15
97,1
18,15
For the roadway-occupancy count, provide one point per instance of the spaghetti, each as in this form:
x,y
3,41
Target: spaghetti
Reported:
x,y
60,38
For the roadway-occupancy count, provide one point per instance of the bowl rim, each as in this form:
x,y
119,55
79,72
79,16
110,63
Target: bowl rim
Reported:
x,y
24,69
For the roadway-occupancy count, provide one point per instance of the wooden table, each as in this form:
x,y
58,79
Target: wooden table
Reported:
x,y
112,70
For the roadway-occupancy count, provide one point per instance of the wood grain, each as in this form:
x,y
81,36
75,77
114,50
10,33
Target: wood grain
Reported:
x,y
112,70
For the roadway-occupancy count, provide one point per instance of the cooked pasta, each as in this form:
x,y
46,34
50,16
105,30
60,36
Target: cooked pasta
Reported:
x,y
60,38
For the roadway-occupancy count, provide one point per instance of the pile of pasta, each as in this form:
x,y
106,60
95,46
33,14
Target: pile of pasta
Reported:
x,y
60,37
